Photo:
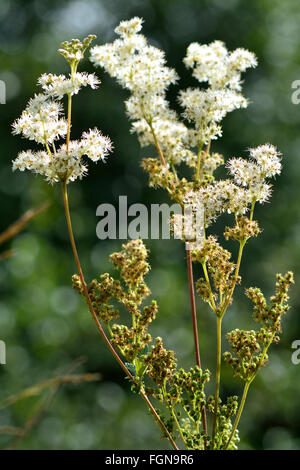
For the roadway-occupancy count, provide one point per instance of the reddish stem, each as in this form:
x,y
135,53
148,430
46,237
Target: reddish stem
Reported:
x,y
195,325
99,326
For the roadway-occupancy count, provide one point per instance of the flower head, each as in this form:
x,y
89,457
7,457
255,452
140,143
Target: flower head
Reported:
x,y
252,174
213,63
129,28
57,86
43,122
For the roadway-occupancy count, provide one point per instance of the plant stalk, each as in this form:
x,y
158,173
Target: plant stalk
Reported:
x,y
160,153
218,378
96,320
239,413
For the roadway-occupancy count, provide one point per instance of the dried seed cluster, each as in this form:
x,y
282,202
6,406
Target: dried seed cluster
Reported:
x,y
225,414
220,268
251,347
130,291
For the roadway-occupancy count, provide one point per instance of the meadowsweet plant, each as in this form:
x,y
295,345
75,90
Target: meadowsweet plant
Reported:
x,y
62,160
178,400
187,139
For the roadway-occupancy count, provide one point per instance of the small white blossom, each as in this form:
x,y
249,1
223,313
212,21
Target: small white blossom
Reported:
x,y
33,161
218,198
212,162
146,109
206,108
40,121
57,86
252,174
210,105
128,28
95,145
245,172
212,63
268,159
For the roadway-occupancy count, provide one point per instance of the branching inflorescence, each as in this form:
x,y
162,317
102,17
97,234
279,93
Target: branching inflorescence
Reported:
x,y
141,69
43,122
182,402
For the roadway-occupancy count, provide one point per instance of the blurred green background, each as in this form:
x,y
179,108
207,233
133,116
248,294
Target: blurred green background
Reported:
x,y
44,323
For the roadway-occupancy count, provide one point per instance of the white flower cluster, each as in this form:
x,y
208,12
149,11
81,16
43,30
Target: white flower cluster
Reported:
x,y
248,186
65,164
205,109
252,174
40,121
222,70
213,63
43,122
203,207
138,67
142,70
211,162
57,86
218,198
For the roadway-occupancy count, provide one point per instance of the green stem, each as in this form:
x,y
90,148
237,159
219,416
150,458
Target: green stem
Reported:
x,y
212,302
248,383
198,163
174,172
218,378
48,149
239,413
69,120
178,426
238,264
252,209
73,70
84,286
199,159
207,150
193,307
237,269
161,155
164,390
